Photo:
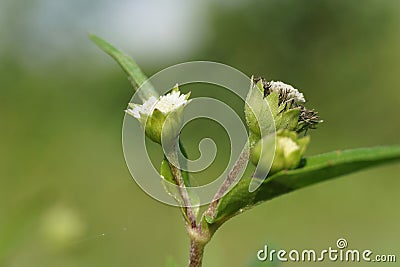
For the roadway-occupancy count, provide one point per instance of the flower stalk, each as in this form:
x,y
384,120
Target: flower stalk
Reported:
x,y
187,205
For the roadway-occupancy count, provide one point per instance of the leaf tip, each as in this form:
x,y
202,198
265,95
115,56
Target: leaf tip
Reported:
x,y
95,39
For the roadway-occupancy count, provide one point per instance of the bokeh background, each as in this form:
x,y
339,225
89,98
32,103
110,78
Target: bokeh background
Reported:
x,y
66,196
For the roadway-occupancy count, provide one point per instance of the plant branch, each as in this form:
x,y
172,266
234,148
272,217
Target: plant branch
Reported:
x,y
240,163
177,174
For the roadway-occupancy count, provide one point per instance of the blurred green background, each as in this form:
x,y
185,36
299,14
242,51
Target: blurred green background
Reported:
x,y
66,196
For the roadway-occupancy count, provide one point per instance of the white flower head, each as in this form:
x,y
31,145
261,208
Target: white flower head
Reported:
x,y
166,104
154,112
286,104
172,101
146,109
292,93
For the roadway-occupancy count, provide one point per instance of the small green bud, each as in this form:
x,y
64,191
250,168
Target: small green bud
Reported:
x,y
163,116
289,150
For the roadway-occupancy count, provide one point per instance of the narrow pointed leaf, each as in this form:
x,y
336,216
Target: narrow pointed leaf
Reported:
x,y
130,67
314,170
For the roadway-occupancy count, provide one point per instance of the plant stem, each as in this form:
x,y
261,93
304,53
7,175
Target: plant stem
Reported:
x,y
230,179
200,236
196,253
176,173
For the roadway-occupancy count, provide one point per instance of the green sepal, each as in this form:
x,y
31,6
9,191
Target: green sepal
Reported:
x,y
258,115
154,125
284,118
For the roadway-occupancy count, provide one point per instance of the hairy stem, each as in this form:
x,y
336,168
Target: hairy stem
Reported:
x,y
200,236
230,179
176,173
196,253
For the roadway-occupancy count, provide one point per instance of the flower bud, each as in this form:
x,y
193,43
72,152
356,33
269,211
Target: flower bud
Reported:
x,y
286,109
289,149
161,118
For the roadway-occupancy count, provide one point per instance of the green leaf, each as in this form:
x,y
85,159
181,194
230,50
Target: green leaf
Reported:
x,y
314,170
130,67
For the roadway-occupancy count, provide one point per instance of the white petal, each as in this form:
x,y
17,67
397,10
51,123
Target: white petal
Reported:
x,y
133,112
293,93
166,104
288,145
148,106
171,101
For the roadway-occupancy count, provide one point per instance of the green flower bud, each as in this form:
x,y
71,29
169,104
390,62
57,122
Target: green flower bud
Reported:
x,y
161,118
286,106
289,150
